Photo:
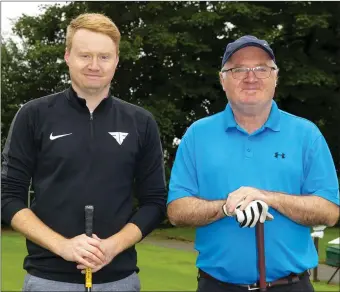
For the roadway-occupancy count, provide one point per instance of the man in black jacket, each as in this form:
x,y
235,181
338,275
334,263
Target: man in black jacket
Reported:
x,y
83,147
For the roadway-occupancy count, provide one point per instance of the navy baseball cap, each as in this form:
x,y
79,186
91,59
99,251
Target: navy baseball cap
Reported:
x,y
246,41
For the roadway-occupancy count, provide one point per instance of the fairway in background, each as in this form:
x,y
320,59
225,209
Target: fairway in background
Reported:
x,y
162,269
166,269
13,251
188,234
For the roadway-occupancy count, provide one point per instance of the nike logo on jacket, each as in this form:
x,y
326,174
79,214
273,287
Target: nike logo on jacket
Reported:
x,y
58,136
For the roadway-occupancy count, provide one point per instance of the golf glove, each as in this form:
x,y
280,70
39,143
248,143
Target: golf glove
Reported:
x,y
255,211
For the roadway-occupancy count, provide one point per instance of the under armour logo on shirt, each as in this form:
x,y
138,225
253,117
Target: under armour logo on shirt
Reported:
x,y
277,155
119,136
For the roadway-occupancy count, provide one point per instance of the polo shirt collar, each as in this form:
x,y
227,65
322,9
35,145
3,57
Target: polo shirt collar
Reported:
x,y
273,121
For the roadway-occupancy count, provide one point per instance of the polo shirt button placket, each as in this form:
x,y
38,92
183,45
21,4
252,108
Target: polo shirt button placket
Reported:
x,y
249,151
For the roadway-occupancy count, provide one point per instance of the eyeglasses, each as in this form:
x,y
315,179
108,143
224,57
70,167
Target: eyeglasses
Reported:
x,y
261,72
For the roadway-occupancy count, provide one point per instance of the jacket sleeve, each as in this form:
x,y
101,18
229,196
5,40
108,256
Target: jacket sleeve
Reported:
x,y
19,156
150,183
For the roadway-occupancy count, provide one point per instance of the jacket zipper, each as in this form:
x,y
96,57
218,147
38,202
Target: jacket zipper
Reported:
x,y
91,124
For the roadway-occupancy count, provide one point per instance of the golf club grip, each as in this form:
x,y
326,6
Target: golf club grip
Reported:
x,y
89,220
260,253
89,210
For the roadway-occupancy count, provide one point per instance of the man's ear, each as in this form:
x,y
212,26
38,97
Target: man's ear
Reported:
x,y
221,80
117,61
66,56
277,77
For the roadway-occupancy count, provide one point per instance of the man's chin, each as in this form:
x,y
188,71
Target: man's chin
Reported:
x,y
253,105
250,101
93,87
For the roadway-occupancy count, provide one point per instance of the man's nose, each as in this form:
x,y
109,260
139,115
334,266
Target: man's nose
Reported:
x,y
94,64
251,77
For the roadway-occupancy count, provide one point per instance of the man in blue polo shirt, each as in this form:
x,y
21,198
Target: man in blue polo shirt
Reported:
x,y
253,161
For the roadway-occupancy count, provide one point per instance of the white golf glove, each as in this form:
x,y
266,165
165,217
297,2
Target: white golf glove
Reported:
x,y
255,211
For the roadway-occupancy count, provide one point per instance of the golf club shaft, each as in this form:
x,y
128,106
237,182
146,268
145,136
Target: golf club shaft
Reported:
x,y
260,254
88,231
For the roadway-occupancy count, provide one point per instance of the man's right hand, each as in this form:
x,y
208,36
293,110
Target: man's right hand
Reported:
x,y
81,248
256,211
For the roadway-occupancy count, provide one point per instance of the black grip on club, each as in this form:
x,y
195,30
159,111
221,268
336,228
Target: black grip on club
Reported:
x,y
89,220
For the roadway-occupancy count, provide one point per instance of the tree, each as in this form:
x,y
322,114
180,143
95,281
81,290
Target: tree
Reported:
x,y
170,56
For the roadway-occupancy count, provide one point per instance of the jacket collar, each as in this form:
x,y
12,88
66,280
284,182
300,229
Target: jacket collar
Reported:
x,y
80,103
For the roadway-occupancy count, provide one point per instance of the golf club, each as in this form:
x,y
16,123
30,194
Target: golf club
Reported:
x,y
89,209
260,253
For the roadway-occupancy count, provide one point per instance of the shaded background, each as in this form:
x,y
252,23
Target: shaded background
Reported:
x,y
171,53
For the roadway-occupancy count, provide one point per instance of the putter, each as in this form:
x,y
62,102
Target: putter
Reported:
x,y
260,253
88,231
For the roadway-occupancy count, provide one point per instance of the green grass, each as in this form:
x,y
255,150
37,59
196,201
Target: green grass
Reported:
x,y
161,269
324,287
13,251
188,234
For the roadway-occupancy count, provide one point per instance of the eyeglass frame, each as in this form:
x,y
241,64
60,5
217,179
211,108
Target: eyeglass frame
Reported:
x,y
248,70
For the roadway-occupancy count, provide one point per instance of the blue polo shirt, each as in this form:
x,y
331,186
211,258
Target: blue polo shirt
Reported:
x,y
287,154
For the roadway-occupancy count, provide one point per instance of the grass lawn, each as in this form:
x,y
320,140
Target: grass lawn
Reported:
x,y
161,269
188,234
13,251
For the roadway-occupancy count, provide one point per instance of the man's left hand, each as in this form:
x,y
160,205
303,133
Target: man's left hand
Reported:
x,y
243,196
109,250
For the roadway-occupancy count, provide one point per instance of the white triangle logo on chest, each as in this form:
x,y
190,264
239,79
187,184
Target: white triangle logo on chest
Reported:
x,y
119,136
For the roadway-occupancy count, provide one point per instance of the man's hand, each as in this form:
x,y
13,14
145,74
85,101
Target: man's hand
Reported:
x,y
108,248
254,212
82,249
245,195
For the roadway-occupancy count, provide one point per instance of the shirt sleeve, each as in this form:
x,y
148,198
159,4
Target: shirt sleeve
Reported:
x,y
18,163
320,174
150,182
183,181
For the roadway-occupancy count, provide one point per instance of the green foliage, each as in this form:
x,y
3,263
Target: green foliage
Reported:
x,y
170,56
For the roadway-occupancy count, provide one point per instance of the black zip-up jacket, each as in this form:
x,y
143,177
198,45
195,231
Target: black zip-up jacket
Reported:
x,y
75,159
